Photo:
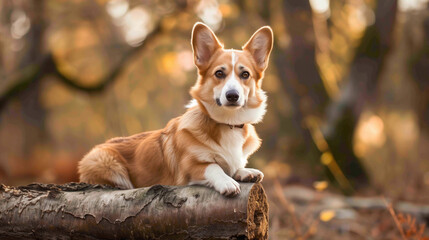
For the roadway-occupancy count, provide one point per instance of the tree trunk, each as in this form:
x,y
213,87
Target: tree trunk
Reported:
x,y
79,210
298,72
299,75
343,115
419,61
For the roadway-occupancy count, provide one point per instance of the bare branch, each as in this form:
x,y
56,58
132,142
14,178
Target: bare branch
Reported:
x,y
109,78
47,65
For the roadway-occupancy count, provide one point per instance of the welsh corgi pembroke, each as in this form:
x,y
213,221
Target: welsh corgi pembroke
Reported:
x,y
209,144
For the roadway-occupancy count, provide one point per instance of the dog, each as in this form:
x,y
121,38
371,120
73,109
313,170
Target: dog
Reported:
x,y
211,142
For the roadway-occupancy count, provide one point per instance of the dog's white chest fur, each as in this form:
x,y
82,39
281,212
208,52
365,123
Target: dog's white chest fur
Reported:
x,y
230,151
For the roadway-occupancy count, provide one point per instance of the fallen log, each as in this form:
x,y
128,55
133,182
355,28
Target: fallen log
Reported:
x,y
84,211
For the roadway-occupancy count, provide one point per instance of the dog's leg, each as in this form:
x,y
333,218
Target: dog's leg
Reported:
x,y
212,175
248,175
250,146
104,166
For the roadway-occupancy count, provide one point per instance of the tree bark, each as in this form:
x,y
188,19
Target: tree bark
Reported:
x,y
79,210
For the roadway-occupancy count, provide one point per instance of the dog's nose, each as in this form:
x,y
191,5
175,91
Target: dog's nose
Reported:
x,y
232,96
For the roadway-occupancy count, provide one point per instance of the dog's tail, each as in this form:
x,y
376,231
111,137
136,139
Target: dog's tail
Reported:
x,y
104,166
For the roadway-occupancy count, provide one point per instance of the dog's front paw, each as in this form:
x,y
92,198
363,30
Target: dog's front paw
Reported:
x,y
227,187
248,175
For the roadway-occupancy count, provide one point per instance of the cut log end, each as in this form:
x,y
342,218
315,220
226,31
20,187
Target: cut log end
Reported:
x,y
257,213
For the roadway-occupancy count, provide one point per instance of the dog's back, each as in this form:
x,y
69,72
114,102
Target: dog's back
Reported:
x,y
117,162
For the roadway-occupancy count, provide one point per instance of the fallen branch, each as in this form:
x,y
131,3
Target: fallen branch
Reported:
x,y
78,210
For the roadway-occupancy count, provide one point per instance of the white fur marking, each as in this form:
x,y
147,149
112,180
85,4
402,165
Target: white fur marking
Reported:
x,y
191,104
231,150
121,182
234,60
223,183
232,84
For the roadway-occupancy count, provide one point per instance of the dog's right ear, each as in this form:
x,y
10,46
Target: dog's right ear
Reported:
x,y
204,44
260,46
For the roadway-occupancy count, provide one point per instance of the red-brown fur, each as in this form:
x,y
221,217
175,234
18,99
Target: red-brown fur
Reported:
x,y
181,152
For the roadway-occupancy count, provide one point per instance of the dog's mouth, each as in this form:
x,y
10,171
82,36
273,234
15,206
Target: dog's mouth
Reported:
x,y
231,105
228,105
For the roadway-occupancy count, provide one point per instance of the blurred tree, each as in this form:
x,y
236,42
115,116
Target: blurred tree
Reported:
x,y
360,86
296,64
29,109
299,74
418,64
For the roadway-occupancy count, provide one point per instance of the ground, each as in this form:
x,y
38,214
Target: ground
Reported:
x,y
299,212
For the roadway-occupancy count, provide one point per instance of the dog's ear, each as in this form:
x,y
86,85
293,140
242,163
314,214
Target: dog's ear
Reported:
x,y
204,44
260,46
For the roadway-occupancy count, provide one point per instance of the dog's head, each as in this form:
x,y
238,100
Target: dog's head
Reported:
x,y
229,82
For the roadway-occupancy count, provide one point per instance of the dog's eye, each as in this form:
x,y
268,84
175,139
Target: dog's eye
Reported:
x,y
219,74
245,75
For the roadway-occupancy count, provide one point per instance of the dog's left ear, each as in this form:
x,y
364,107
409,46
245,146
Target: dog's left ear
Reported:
x,y
260,46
